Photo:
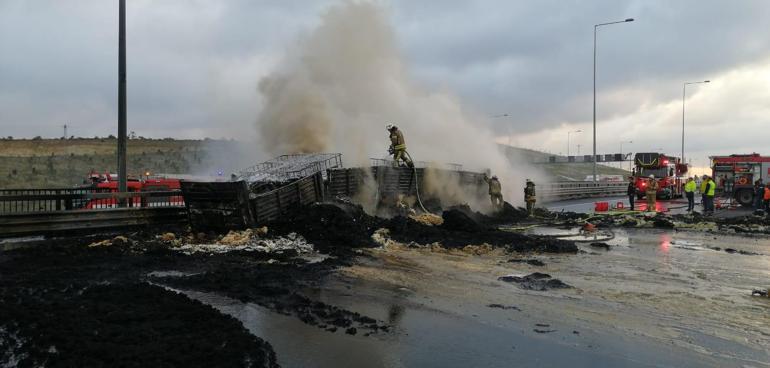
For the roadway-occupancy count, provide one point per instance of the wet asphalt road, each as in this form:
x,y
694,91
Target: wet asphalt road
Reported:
x,y
656,299
673,206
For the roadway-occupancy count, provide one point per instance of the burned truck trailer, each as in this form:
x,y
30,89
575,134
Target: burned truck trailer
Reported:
x,y
266,191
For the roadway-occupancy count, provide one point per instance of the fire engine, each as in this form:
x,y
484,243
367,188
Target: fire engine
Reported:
x,y
668,173
741,170
107,183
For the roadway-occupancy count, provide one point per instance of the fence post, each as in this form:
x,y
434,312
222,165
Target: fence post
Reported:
x,y
58,200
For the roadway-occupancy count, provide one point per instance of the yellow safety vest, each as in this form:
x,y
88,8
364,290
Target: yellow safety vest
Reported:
x,y
689,187
711,188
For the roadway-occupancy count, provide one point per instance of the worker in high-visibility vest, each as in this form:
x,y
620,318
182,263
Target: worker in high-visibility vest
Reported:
x,y
711,188
766,198
689,191
703,185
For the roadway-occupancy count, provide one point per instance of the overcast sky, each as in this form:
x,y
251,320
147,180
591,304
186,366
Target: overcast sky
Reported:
x,y
193,67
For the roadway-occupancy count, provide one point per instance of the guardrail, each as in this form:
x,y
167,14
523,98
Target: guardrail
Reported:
x,y
69,222
49,200
556,191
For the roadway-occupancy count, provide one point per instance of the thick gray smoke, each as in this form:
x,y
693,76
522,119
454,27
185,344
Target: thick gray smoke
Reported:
x,y
346,80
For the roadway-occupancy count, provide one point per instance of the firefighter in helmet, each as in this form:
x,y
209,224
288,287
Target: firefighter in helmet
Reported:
x,y
530,197
495,191
651,192
398,146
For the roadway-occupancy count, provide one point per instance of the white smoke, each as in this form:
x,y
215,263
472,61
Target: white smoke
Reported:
x,y
347,80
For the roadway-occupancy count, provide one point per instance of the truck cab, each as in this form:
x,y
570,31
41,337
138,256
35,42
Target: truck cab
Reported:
x,y
668,172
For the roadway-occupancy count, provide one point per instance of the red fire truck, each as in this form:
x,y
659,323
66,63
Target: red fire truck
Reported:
x,y
107,183
739,172
668,171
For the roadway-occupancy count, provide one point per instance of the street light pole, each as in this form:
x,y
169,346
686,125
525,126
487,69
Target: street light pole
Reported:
x,y
684,93
568,133
596,27
122,180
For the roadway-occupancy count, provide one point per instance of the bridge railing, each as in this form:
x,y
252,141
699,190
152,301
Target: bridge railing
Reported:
x,y
555,191
14,201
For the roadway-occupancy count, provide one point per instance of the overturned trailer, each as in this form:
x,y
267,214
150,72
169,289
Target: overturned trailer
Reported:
x,y
266,191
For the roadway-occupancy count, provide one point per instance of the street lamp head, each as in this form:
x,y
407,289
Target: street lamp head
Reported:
x,y
629,19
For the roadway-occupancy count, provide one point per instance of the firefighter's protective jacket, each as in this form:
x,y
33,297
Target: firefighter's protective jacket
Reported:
x,y
529,193
397,140
652,186
495,187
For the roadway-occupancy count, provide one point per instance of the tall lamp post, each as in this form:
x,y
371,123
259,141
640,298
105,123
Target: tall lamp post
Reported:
x,y
122,183
568,133
684,93
596,27
621,154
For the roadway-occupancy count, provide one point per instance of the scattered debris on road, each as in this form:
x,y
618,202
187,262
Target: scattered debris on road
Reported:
x,y
535,281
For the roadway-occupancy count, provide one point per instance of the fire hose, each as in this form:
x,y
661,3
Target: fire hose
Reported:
x,y
416,185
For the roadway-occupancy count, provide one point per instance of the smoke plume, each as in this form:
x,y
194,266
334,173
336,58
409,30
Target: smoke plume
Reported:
x,y
346,80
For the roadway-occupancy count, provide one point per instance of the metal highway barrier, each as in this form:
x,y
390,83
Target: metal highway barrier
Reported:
x,y
556,191
49,200
52,211
68,222
48,212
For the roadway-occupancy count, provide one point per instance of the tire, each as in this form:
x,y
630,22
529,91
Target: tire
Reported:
x,y
745,197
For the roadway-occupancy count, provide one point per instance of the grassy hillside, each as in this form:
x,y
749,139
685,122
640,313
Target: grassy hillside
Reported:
x,y
562,171
49,163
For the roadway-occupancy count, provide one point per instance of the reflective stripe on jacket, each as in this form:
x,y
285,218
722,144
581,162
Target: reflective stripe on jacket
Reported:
x,y
689,187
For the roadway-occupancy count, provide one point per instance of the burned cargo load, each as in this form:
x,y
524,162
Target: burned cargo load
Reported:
x,y
264,192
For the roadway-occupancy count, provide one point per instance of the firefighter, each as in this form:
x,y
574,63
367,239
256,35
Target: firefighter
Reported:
x,y
495,191
651,193
530,197
689,191
631,191
398,146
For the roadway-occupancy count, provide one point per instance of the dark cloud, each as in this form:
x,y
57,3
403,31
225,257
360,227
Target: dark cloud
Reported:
x,y
194,65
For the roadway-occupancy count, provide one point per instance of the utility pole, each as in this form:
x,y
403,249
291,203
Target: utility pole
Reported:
x,y
122,121
65,131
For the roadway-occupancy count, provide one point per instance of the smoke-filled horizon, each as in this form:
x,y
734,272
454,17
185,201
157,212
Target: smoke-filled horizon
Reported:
x,y
341,85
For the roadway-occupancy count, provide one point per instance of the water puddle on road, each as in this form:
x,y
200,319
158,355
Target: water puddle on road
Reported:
x,y
654,298
422,337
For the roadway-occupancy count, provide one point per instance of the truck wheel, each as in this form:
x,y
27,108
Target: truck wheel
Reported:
x,y
745,197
